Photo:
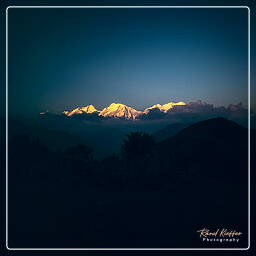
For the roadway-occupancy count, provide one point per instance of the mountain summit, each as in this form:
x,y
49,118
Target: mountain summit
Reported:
x,y
83,110
166,107
121,111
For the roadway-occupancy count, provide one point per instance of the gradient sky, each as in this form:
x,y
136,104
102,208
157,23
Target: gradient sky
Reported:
x,y
63,58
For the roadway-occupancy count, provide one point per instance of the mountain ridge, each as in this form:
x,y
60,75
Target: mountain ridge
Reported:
x,y
81,110
157,111
119,110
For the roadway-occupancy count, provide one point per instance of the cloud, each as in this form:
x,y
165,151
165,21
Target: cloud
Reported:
x,y
197,110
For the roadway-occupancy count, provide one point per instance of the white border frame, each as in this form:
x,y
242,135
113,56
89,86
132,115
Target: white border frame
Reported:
x,y
132,249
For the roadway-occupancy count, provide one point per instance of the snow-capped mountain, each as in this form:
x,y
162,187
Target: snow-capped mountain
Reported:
x,y
157,106
164,108
155,112
118,110
121,111
83,110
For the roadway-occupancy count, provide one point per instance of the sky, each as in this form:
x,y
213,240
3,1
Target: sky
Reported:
x,y
59,59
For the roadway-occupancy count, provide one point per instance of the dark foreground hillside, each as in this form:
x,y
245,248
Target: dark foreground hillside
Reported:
x,y
150,195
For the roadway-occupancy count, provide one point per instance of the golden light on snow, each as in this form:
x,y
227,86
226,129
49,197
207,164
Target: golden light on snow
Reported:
x,y
84,110
121,110
89,109
170,105
165,107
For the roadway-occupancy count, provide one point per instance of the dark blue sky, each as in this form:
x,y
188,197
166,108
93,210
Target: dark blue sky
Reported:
x,y
63,58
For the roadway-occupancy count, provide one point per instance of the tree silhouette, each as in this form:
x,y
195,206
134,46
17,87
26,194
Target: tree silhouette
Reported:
x,y
137,149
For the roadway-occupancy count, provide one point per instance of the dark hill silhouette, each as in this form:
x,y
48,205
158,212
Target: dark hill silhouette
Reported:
x,y
213,127
52,138
215,148
60,132
168,131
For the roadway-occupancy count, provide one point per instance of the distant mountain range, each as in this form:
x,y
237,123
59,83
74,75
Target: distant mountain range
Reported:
x,y
157,111
119,110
